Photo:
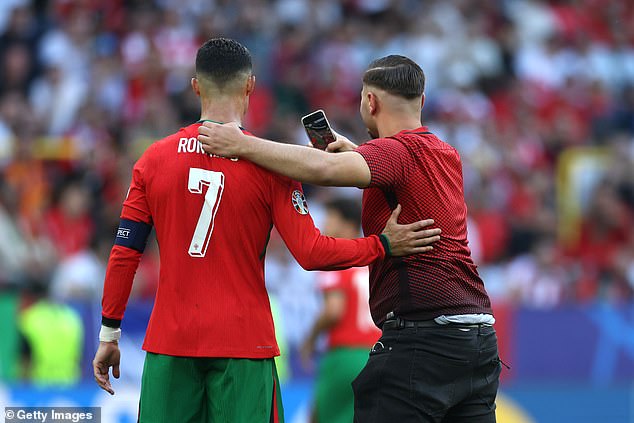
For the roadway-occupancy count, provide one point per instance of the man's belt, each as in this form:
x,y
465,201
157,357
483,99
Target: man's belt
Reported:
x,y
398,323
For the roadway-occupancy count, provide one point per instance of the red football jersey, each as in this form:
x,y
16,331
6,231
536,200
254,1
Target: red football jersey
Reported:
x,y
212,218
356,328
424,175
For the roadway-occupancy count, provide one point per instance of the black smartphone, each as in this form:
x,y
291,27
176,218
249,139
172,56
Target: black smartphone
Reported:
x,y
318,129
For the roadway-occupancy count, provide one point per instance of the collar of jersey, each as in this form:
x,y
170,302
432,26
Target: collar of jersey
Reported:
x,y
215,121
420,130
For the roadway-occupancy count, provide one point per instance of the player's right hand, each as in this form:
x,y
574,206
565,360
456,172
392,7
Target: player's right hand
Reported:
x,y
411,238
107,355
306,352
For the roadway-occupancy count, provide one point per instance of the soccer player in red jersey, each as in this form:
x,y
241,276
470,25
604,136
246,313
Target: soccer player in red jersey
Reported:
x,y
437,360
346,318
210,341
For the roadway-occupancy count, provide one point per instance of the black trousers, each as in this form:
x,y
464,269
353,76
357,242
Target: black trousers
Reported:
x,y
442,374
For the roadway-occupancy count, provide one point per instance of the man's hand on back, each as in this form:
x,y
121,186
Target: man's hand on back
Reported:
x,y
412,238
224,140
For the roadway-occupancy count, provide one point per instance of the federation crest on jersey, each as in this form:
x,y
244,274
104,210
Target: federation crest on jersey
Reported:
x,y
299,202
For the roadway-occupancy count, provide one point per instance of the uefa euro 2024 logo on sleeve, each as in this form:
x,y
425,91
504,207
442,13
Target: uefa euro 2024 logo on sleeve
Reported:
x,y
299,202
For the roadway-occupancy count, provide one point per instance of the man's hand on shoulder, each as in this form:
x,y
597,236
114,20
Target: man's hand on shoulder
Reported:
x,y
409,239
224,140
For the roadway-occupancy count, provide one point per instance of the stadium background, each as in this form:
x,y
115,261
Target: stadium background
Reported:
x,y
538,97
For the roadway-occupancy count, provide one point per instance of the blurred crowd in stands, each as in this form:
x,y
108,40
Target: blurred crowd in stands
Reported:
x,y
538,97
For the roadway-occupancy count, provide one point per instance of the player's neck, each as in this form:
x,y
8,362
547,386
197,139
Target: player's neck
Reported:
x,y
393,124
222,111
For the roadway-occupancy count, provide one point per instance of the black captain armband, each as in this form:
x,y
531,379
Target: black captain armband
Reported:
x,y
132,234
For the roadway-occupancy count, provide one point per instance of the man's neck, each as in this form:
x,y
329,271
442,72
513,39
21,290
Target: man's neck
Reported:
x,y
392,125
222,112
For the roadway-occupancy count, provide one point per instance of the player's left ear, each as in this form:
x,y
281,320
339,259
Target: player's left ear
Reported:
x,y
422,101
195,86
250,85
373,103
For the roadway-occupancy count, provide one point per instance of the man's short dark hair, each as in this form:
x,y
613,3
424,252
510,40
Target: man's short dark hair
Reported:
x,y
222,59
349,210
398,75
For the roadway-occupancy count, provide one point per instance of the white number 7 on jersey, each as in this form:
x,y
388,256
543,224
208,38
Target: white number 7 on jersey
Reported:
x,y
205,226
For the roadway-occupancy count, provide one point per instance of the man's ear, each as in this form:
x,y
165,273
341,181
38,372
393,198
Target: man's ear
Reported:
x,y
422,101
373,103
195,86
250,85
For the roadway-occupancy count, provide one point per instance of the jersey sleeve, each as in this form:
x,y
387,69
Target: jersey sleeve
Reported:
x,y
124,261
386,159
311,249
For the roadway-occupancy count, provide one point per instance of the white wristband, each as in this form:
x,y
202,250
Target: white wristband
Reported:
x,y
108,334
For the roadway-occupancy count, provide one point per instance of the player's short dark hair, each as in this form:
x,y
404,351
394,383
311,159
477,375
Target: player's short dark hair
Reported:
x,y
349,210
398,75
222,59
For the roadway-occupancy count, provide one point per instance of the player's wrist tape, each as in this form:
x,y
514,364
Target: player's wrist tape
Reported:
x,y
386,244
107,334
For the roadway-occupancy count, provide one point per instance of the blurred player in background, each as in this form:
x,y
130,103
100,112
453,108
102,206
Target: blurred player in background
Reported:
x,y
437,360
52,337
346,319
210,341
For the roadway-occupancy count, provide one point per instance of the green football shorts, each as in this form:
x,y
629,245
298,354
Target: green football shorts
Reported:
x,y
218,390
334,399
